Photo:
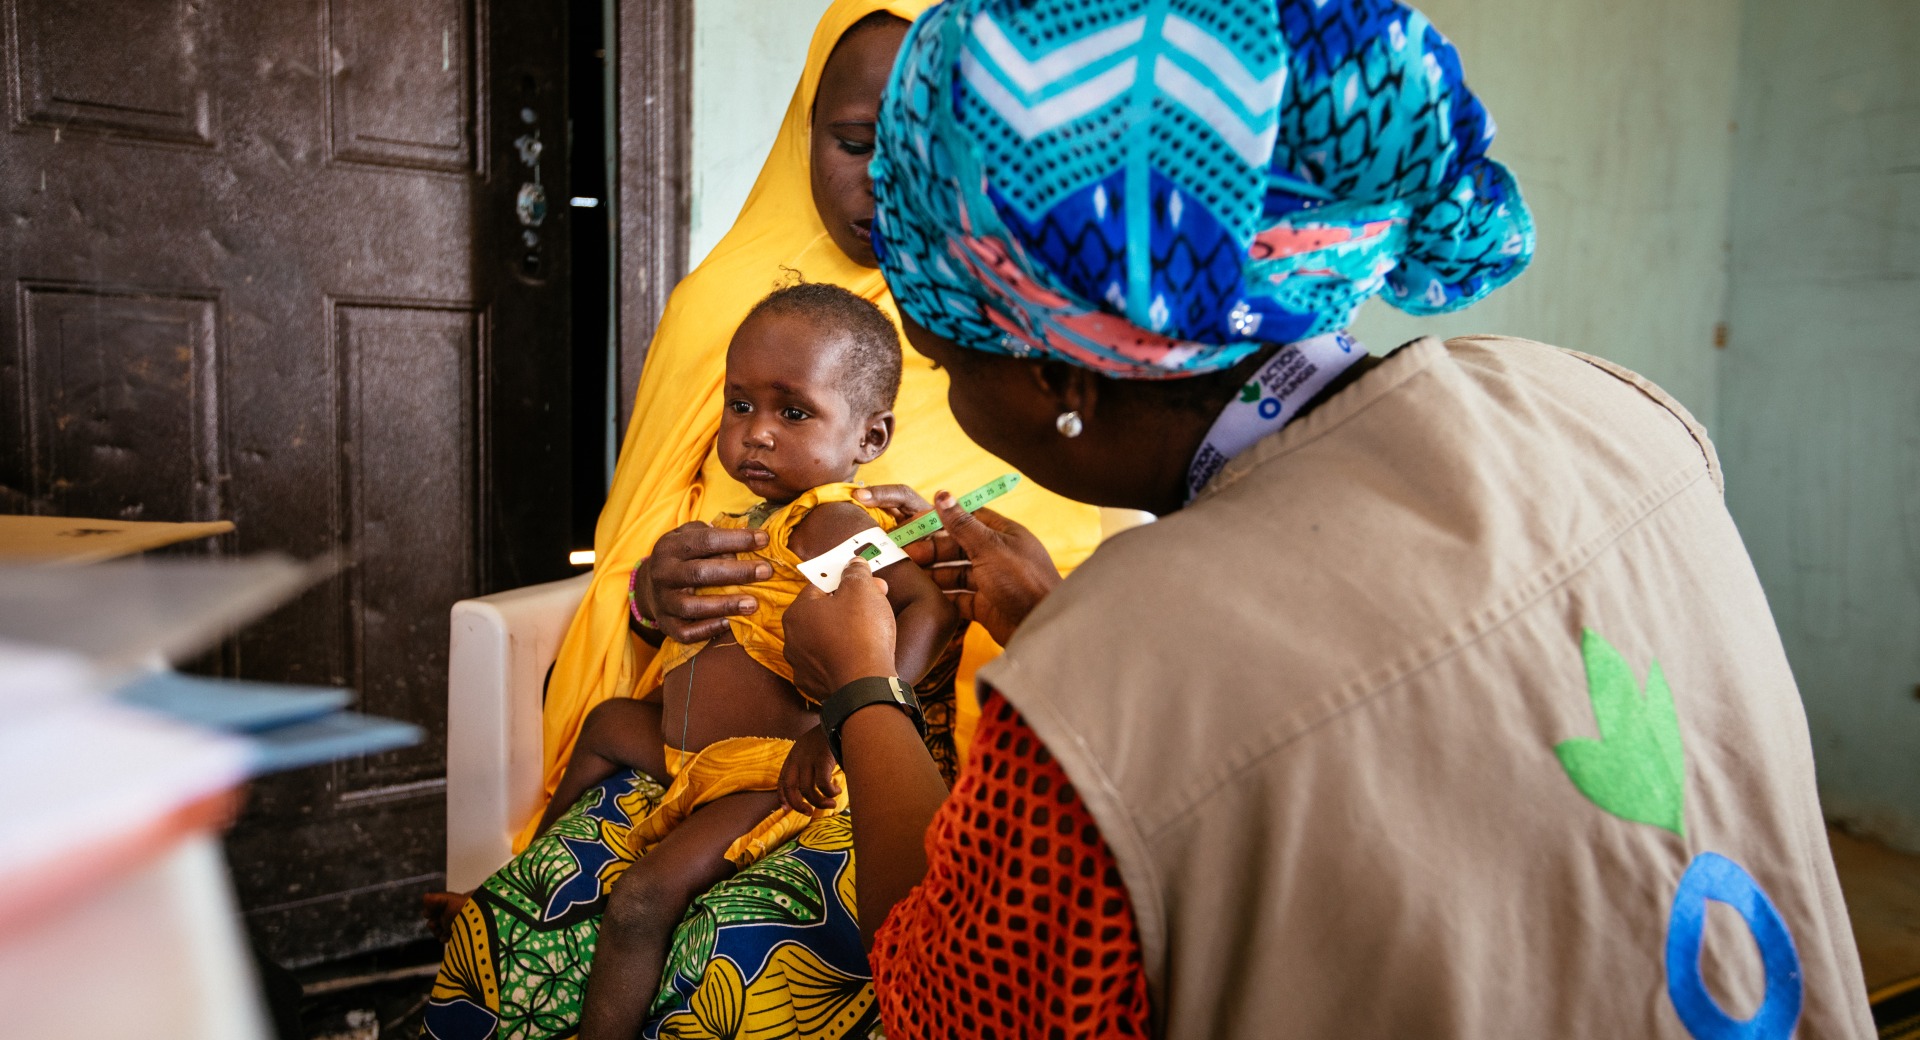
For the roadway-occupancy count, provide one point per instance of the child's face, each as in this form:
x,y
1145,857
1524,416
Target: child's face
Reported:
x,y
786,425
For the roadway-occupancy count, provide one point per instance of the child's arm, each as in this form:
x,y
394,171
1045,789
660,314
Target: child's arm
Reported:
x,y
924,619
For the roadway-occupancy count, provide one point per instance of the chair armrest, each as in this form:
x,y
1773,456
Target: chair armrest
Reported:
x,y
502,646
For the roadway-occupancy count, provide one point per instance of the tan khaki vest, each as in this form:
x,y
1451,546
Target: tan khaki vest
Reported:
x,y
1316,716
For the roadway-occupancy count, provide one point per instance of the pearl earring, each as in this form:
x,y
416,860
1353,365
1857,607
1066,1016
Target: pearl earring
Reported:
x,y
1069,424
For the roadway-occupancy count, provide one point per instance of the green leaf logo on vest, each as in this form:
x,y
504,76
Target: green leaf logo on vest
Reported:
x,y
1637,769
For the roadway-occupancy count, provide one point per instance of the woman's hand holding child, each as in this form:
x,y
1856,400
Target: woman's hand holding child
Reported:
x,y
695,556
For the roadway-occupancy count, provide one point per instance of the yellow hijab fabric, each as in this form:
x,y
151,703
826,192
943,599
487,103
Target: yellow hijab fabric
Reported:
x,y
668,472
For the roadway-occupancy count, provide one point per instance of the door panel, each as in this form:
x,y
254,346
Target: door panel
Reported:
x,y
263,262
402,89
654,42
122,397
411,454
141,73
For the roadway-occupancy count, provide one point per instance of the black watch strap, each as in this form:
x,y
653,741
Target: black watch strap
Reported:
x,y
862,693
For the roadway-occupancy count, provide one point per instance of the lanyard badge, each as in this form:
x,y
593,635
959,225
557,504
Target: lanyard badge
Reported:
x,y
1272,399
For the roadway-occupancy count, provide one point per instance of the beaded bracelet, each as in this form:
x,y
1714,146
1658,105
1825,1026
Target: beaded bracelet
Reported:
x,y
633,597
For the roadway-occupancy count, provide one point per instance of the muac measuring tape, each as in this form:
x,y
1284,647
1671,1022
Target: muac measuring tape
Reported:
x,y
881,549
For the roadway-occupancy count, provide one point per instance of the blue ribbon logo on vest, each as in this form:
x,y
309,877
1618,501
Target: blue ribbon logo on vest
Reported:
x,y
1713,876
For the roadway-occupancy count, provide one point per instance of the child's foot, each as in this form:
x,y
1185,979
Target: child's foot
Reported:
x,y
441,909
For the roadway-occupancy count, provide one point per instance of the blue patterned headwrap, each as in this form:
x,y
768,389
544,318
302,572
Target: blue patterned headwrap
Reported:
x,y
1155,188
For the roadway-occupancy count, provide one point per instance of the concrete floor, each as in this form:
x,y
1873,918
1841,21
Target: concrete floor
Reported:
x,y
1883,899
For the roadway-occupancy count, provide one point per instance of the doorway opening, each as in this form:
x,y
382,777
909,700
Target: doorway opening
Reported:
x,y
591,142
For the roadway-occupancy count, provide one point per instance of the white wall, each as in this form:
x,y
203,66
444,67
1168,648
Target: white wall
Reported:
x,y
747,56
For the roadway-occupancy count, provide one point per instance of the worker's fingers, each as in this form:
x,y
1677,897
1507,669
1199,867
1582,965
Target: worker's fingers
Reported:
x,y
951,576
963,602
899,500
1004,524
972,536
858,579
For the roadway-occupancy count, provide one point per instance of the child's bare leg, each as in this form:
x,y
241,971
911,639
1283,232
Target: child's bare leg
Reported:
x,y
622,733
646,905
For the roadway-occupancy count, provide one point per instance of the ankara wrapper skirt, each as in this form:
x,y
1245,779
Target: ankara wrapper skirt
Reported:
x,y
772,952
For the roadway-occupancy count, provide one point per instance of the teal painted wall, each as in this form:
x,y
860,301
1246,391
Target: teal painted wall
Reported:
x,y
1615,118
1820,384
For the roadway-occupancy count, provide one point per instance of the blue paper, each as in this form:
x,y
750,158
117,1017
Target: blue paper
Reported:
x,y
226,704
340,735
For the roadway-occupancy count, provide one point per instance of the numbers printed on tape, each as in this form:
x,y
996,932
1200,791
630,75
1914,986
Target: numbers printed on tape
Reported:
x,y
927,523
880,549
916,529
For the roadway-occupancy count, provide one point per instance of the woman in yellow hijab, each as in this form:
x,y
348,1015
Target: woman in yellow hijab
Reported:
x,y
803,220
773,950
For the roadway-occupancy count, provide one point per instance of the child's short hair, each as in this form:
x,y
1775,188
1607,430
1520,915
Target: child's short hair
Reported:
x,y
871,365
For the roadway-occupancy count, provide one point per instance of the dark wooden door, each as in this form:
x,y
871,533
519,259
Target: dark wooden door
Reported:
x,y
284,262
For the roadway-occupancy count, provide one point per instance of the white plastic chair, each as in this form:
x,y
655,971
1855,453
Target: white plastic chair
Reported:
x,y
502,646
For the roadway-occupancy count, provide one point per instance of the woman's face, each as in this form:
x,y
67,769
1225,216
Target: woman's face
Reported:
x,y
842,145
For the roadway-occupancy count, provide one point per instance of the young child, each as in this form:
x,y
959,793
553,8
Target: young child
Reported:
x,y
811,377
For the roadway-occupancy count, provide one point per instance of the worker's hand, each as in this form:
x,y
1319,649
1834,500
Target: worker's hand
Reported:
x,y
992,568
900,501
692,557
836,637
807,783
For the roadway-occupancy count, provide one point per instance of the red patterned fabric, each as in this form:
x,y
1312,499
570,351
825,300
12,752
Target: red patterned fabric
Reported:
x,y
1021,927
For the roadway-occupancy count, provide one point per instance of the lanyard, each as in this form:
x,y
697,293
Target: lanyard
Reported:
x,y
1272,399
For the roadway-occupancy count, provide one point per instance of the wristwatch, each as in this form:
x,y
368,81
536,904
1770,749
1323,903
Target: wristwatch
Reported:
x,y
861,693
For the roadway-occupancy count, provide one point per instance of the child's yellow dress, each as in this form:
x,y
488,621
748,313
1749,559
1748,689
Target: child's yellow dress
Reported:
x,y
740,764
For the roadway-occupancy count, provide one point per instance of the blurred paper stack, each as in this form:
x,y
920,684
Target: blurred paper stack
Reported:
x,y
117,776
